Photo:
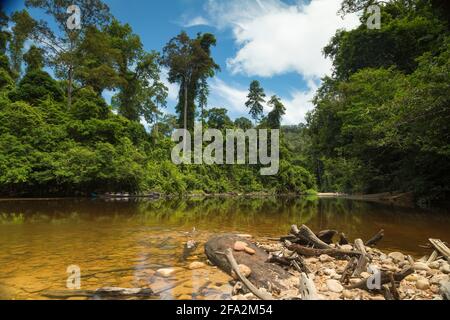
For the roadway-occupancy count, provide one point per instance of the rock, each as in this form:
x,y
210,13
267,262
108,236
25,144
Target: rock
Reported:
x,y
250,250
377,298
445,290
196,265
435,265
347,294
438,279
347,247
168,272
365,275
421,266
412,277
325,258
383,256
397,256
423,284
312,260
245,236
334,286
245,271
445,268
240,246
329,272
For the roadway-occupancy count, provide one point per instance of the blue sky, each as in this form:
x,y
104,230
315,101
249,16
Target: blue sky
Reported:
x,y
276,42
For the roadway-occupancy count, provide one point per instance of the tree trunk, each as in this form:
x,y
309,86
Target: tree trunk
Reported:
x,y
310,252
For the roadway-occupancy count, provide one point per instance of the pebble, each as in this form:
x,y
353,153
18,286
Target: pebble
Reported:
x,y
445,268
347,294
365,275
334,286
423,284
435,265
245,236
325,258
397,256
412,277
196,265
168,272
240,246
347,247
329,272
250,250
438,279
245,271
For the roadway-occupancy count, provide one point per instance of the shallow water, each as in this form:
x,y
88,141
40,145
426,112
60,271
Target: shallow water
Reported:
x,y
123,243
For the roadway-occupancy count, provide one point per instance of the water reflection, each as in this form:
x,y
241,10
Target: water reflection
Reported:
x,y
123,243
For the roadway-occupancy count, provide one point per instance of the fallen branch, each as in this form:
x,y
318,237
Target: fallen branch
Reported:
x,y
310,252
376,238
363,259
384,279
441,248
102,293
306,234
234,266
348,270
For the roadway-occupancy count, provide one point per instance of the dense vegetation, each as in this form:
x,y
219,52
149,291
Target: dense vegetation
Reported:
x,y
381,121
60,137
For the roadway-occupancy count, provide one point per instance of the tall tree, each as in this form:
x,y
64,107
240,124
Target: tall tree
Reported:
x,y
24,24
61,45
274,117
190,63
255,100
34,58
141,92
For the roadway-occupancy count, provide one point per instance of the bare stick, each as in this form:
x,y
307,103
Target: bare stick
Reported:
x,y
363,259
377,238
306,234
234,266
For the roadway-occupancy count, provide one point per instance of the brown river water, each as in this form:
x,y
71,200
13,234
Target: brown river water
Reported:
x,y
122,243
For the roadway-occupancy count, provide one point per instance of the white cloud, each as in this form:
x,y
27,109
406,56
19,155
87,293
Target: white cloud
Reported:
x,y
298,105
196,21
275,38
227,96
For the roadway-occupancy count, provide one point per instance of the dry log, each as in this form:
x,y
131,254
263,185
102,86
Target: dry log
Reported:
x,y
343,239
348,270
306,234
363,259
262,272
433,257
375,239
235,267
308,288
393,288
327,235
310,252
441,248
384,279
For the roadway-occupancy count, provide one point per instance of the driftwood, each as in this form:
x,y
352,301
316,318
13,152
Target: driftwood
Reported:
x,y
310,252
235,267
433,257
363,259
327,235
308,288
107,293
262,274
343,239
375,239
306,234
445,290
385,277
441,248
348,270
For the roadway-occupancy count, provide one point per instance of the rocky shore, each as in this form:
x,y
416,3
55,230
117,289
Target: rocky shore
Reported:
x,y
343,272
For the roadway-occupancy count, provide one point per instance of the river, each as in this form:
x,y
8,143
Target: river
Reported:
x,y
122,243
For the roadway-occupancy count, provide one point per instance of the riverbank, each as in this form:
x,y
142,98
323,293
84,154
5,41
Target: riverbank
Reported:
x,y
334,271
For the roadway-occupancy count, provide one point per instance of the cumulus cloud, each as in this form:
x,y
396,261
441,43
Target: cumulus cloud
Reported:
x,y
226,95
275,38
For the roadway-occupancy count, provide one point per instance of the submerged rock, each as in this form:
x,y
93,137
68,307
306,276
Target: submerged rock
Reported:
x,y
196,265
168,272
